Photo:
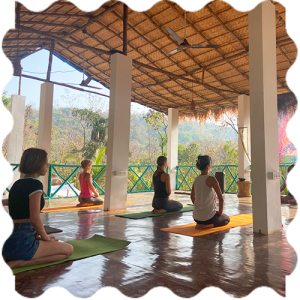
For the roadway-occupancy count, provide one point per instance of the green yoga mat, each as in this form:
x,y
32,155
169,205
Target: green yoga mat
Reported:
x,y
148,213
84,248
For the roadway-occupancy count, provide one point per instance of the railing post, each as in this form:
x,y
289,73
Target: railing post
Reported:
x,y
49,182
177,177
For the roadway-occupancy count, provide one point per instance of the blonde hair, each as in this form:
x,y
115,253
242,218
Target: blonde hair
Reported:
x,y
85,163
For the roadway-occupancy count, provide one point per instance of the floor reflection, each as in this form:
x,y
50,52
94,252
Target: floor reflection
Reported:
x,y
234,260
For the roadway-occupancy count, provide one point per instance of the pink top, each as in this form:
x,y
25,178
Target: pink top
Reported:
x,y
85,189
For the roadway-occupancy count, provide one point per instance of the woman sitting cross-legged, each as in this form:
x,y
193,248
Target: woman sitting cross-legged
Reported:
x,y
290,197
29,244
203,197
162,189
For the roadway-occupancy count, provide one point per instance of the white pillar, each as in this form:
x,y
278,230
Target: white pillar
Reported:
x,y
45,123
263,116
172,145
118,132
15,138
244,123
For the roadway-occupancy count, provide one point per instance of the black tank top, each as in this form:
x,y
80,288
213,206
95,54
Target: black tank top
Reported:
x,y
160,189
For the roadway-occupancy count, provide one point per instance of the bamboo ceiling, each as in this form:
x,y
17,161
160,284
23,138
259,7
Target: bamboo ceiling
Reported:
x,y
213,78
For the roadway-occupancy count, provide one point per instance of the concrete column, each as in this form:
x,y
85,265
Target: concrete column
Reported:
x,y
263,118
172,145
15,138
45,123
244,123
118,132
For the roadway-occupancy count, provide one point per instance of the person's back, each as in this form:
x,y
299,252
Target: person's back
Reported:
x,y
205,199
160,189
84,187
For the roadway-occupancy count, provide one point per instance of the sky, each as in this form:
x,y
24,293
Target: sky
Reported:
x,y
36,65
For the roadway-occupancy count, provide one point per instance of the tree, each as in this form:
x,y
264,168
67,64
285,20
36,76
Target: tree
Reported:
x,y
5,100
87,118
232,153
188,155
158,121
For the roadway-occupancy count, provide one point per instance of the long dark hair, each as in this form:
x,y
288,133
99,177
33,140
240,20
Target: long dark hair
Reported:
x,y
160,162
203,161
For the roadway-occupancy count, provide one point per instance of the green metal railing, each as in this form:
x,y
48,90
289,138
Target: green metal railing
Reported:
x,y
139,178
186,175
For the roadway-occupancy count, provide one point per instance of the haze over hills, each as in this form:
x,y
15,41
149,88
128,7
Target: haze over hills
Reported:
x,y
187,132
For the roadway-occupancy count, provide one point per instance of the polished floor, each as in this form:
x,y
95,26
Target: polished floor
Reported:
x,y
235,260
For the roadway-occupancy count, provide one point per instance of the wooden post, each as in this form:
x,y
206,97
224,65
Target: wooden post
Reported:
x,y
20,81
125,19
50,61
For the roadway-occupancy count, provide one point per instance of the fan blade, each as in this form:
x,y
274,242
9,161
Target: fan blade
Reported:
x,y
174,35
205,46
173,51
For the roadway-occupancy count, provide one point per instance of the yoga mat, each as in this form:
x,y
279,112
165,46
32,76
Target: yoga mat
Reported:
x,y
50,230
147,213
84,248
190,230
68,207
71,207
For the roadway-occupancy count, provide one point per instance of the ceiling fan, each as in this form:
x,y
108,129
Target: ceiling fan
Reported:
x,y
183,43
85,82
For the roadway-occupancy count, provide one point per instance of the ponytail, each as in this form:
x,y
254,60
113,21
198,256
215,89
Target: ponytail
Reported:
x,y
160,162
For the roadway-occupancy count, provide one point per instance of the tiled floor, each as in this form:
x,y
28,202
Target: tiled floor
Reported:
x,y
235,260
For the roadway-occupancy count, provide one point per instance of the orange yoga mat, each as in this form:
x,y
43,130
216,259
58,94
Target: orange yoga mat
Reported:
x,y
190,230
71,207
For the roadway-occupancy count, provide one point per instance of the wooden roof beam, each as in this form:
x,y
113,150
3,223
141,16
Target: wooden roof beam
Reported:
x,y
187,53
25,39
224,26
65,85
100,51
49,24
76,54
166,56
158,27
63,15
142,54
103,13
204,37
61,40
182,77
215,76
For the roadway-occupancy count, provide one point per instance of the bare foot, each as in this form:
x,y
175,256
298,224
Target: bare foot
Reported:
x,y
202,226
159,211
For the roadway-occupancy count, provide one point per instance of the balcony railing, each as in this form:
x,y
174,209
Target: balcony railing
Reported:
x,y
139,178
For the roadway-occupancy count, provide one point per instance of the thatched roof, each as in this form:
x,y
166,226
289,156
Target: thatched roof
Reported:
x,y
213,78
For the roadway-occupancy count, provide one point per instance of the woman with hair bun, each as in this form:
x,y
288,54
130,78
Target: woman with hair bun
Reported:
x,y
162,189
203,197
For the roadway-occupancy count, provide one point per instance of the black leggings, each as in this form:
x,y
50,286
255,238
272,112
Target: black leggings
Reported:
x,y
165,203
217,220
